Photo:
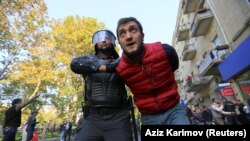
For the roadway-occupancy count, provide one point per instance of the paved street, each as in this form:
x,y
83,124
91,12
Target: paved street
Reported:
x,y
56,139
53,139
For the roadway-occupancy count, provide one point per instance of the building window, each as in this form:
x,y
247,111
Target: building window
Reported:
x,y
216,40
243,81
219,53
201,4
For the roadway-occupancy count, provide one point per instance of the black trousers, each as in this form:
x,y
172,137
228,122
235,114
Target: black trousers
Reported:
x,y
110,127
9,133
29,135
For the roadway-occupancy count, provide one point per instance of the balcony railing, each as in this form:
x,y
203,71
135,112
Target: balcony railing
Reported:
x,y
189,52
222,47
190,6
196,82
183,33
201,23
209,64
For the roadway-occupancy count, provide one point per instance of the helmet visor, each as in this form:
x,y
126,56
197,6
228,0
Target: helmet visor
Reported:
x,y
103,35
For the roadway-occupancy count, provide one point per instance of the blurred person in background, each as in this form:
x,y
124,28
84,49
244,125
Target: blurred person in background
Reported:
x,y
12,119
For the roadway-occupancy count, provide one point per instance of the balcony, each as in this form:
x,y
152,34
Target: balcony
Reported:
x,y
189,52
209,64
190,6
196,83
178,79
201,23
183,33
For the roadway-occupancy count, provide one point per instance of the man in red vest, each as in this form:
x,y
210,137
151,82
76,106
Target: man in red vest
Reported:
x,y
148,70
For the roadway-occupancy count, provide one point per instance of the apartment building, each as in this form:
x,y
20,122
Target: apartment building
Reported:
x,y
212,39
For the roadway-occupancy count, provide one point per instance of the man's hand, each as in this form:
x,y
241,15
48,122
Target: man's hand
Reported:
x,y
112,66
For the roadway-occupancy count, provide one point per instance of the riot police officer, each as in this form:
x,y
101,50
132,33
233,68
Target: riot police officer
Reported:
x,y
106,112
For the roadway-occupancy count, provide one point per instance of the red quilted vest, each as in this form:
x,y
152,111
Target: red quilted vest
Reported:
x,y
152,82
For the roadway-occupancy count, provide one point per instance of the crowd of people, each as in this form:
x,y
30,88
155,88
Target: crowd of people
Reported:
x,y
221,112
148,71
65,131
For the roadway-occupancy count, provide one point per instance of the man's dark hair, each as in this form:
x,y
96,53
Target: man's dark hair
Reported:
x,y
126,20
15,101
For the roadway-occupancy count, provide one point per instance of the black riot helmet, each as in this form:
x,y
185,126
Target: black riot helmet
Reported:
x,y
104,35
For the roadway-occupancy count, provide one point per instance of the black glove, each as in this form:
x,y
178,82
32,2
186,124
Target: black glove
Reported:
x,y
95,65
112,66
90,61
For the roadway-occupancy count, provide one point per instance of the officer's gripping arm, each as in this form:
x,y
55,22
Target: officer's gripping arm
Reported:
x,y
111,68
84,65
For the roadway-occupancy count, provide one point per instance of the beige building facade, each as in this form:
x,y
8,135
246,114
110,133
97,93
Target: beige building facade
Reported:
x,y
212,39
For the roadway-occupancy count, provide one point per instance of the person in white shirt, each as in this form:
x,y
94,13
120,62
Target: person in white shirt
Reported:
x,y
218,113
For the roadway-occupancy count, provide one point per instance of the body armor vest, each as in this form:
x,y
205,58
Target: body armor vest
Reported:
x,y
104,89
